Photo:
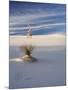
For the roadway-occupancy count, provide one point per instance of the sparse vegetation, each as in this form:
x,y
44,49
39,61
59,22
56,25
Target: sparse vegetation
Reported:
x,y
27,49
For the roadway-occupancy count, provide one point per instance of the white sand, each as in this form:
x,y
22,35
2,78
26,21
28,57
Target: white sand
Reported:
x,y
49,70
38,40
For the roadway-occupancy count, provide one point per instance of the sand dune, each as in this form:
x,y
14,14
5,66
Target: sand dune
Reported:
x,y
49,70
38,40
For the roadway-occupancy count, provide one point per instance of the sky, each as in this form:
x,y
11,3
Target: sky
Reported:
x,y
44,18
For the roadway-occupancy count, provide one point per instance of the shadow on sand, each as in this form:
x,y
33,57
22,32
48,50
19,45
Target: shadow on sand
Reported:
x,y
29,59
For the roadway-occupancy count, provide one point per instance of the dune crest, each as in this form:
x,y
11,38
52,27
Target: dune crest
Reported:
x,y
38,40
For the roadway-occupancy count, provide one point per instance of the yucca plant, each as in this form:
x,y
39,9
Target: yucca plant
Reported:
x,y
28,50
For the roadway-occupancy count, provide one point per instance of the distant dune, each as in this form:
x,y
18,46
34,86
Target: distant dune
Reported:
x,y
38,40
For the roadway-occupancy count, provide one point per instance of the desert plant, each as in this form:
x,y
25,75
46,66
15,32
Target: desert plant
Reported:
x,y
27,49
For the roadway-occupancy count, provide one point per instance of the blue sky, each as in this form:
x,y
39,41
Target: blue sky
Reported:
x,y
44,18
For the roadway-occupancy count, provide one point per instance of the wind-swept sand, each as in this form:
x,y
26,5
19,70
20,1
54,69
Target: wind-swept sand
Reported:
x,y
49,70
38,40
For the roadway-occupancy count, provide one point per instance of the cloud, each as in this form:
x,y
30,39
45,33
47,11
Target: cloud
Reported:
x,y
38,20
39,26
28,18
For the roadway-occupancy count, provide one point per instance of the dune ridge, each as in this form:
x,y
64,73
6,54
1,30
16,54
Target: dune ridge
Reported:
x,y
38,40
